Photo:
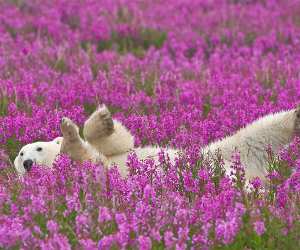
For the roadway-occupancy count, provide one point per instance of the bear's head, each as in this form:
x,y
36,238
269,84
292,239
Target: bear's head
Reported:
x,y
41,153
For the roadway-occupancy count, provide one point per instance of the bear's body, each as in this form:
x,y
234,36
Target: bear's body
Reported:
x,y
108,141
273,130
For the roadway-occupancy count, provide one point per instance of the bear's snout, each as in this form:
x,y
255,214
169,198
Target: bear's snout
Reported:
x,y
28,164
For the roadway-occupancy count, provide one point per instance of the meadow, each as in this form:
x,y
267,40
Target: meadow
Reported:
x,y
177,73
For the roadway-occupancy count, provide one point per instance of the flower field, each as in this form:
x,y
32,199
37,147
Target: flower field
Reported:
x,y
178,73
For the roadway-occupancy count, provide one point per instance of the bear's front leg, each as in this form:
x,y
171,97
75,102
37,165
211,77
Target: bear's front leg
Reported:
x,y
106,135
76,148
70,131
100,124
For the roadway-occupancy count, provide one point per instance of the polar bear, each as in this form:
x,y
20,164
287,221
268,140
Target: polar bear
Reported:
x,y
108,141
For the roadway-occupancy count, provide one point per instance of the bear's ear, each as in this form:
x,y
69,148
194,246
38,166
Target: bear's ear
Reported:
x,y
58,140
101,107
298,111
16,161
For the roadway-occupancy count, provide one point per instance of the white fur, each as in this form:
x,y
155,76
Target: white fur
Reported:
x,y
275,130
142,153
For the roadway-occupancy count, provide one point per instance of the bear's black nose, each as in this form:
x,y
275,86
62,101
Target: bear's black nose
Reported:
x,y
28,164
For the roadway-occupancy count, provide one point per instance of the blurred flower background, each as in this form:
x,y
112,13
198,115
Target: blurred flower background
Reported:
x,y
180,73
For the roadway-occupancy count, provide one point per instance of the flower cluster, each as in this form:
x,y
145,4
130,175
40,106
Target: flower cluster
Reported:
x,y
176,73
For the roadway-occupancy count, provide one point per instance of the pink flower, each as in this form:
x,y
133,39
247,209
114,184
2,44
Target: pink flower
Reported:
x,y
57,241
88,244
104,215
144,242
169,239
52,226
149,193
259,227
256,183
106,242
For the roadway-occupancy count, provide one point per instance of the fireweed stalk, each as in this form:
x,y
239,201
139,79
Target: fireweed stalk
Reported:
x,y
177,73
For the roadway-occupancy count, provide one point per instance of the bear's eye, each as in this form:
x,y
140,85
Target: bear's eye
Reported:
x,y
39,149
21,153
